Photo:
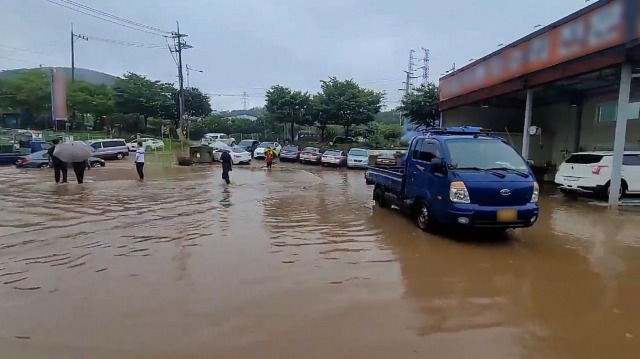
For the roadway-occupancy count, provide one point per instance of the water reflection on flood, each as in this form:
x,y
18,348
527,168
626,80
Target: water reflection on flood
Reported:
x,y
297,263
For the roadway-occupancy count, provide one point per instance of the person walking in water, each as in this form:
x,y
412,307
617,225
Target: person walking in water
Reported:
x,y
79,168
269,158
59,166
140,160
225,158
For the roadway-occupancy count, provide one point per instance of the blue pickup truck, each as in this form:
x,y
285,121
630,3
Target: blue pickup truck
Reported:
x,y
462,176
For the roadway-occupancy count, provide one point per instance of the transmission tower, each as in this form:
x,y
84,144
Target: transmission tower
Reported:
x,y
425,67
408,85
245,101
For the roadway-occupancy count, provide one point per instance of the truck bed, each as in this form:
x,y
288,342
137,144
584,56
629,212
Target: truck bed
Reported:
x,y
391,178
9,158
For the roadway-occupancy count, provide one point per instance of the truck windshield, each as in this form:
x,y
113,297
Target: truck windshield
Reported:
x,y
484,154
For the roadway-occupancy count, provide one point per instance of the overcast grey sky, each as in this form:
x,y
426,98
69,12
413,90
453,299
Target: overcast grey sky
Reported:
x,y
249,45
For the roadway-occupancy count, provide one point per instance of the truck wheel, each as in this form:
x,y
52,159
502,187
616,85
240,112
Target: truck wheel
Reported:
x,y
423,218
379,198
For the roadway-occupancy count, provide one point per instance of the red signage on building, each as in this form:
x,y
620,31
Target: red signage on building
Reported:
x,y
594,31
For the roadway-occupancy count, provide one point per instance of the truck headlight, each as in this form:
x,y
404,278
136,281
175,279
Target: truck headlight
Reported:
x,y
458,192
536,192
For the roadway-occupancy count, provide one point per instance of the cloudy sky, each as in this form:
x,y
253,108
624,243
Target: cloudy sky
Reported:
x,y
249,45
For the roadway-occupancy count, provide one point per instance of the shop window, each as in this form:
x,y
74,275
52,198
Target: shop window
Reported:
x,y
607,112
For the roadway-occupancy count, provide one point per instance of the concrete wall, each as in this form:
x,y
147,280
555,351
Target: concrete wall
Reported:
x,y
594,133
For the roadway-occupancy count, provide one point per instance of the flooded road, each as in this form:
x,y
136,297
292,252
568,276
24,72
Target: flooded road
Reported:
x,y
298,264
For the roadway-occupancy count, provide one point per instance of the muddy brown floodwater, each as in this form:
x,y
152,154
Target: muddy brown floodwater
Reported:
x,y
298,264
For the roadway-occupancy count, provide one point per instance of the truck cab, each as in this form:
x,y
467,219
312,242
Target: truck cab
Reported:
x,y
460,177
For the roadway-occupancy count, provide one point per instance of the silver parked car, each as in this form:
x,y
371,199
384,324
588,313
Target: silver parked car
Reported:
x,y
358,158
109,149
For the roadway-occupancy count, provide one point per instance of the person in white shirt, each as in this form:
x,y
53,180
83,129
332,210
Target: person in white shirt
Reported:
x,y
140,160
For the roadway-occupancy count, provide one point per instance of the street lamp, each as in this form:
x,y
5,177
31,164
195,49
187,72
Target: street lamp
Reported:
x,y
191,69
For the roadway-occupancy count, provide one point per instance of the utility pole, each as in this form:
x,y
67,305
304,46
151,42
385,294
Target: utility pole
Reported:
x,y
245,101
425,67
75,37
179,46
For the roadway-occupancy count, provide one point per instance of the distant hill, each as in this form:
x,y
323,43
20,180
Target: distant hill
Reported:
x,y
93,77
255,112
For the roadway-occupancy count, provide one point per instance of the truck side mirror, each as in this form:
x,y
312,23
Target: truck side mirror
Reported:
x,y
436,165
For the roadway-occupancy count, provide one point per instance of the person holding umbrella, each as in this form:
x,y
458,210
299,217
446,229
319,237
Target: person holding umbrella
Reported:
x,y
76,152
78,168
225,158
59,166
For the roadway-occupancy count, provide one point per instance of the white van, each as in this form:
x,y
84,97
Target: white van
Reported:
x,y
109,149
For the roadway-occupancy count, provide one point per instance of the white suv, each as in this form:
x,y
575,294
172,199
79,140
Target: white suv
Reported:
x,y
590,173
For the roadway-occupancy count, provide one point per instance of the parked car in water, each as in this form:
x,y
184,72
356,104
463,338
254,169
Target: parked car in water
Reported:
x,y
239,155
311,155
249,145
260,150
290,153
109,148
335,158
147,143
40,159
358,158
386,159
590,173
460,177
218,137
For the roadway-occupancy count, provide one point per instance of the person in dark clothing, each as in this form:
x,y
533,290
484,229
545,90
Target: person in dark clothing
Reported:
x,y
59,166
79,168
225,158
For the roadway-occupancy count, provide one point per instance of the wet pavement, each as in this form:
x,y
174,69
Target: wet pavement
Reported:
x,y
296,263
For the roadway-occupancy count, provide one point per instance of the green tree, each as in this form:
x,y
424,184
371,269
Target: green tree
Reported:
x,y
196,103
421,106
319,116
86,98
348,104
30,93
286,106
136,94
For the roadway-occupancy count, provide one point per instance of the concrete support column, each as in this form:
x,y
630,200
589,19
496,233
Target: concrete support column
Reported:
x,y
527,123
620,137
577,127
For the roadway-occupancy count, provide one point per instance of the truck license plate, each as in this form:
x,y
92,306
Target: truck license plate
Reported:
x,y
507,215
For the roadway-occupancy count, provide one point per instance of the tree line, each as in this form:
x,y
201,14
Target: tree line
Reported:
x,y
340,102
128,104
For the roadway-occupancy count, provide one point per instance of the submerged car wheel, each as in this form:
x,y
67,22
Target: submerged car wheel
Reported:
x,y
622,192
120,155
423,216
44,165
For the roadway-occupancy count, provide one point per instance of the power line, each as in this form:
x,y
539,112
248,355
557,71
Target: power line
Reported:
x,y
126,43
107,20
106,14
